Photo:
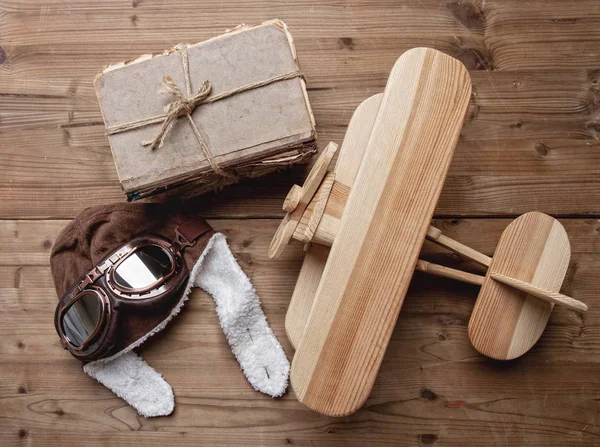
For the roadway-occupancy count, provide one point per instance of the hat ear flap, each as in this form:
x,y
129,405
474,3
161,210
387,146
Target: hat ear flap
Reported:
x,y
136,382
252,341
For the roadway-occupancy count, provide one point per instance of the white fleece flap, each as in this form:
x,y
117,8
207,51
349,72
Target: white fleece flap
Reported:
x,y
252,341
136,382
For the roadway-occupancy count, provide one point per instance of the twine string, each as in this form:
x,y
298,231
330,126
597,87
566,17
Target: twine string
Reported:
x,y
185,104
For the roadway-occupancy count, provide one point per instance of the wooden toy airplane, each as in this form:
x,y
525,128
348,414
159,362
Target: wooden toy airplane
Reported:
x,y
374,211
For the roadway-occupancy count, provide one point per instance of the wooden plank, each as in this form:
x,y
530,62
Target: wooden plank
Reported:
x,y
374,255
494,34
425,337
442,311
430,372
250,241
425,351
501,168
506,105
94,22
340,63
25,243
499,178
469,423
25,276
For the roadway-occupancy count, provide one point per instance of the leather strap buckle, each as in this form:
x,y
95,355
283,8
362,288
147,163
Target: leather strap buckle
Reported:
x,y
180,242
188,233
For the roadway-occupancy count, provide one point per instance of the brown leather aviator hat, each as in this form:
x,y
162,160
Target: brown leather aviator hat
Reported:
x,y
123,271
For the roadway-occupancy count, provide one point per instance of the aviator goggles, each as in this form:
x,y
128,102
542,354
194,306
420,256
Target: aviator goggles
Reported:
x,y
138,280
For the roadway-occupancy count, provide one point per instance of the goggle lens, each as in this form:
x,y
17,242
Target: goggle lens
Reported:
x,y
81,319
143,268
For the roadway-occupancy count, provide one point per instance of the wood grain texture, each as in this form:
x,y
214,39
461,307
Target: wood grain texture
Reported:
x,y
447,272
345,170
374,255
507,322
305,289
309,187
311,217
432,382
533,123
496,178
529,143
436,236
544,294
327,230
322,224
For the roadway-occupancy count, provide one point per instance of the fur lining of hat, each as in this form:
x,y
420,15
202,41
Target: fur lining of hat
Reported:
x,y
259,354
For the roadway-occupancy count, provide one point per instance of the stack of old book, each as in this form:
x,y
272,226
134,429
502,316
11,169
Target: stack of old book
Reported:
x,y
199,117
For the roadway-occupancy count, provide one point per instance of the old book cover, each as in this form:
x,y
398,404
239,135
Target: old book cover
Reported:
x,y
252,130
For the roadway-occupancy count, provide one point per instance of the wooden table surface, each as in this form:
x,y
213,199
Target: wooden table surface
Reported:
x,y
530,142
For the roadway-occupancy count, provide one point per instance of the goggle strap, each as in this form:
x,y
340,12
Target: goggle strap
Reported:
x,y
188,233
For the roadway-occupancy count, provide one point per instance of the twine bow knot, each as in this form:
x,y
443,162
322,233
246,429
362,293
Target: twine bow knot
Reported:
x,y
185,105
182,106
